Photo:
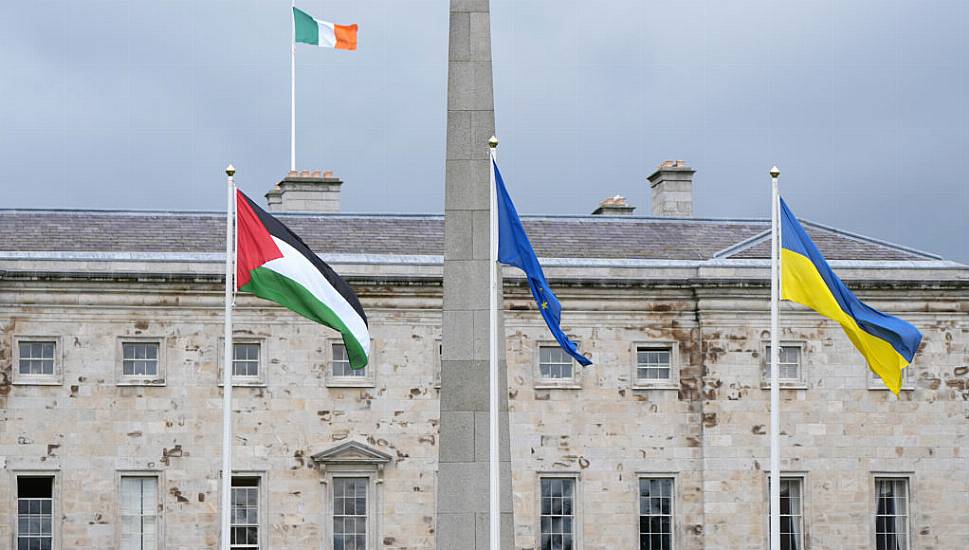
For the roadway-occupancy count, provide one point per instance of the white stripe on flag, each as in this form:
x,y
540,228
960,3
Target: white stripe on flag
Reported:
x,y
327,34
296,267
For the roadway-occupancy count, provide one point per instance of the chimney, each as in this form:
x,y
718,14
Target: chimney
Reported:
x,y
306,191
614,206
672,190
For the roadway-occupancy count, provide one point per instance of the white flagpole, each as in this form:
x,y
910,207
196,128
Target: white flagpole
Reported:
x,y
230,250
493,472
292,92
775,351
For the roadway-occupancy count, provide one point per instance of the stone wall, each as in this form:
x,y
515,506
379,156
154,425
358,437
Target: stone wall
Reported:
x,y
709,430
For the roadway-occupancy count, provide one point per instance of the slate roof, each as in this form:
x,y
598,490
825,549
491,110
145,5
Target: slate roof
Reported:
x,y
553,237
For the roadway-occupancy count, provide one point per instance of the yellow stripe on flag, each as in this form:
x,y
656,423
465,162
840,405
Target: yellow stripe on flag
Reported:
x,y
801,283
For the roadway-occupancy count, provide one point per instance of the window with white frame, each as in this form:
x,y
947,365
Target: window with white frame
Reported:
x,y
36,357
654,364
35,512
876,383
557,529
139,513
353,473
350,513
554,365
341,364
339,373
788,364
792,515
139,359
892,512
245,359
244,531
655,513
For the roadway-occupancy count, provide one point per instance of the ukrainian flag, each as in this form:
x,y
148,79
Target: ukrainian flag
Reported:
x,y
887,343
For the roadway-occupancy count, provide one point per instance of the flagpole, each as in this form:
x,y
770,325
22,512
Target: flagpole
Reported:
x,y
495,507
775,444
230,250
292,93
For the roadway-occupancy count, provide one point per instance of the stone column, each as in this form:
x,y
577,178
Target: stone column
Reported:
x,y
462,482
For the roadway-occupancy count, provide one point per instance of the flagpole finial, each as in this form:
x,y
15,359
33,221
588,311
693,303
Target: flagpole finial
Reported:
x,y
493,142
775,172
230,170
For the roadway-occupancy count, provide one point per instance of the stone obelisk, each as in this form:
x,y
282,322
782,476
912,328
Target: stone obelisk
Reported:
x,y
462,483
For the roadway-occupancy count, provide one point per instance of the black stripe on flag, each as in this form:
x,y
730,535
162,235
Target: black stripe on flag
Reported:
x,y
279,230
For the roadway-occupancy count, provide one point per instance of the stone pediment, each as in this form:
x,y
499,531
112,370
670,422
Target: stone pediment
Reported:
x,y
352,452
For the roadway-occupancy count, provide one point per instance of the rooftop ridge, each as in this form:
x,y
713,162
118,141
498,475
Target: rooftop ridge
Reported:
x,y
385,215
632,236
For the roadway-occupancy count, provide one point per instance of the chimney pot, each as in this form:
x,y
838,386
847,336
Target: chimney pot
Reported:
x,y
672,190
306,191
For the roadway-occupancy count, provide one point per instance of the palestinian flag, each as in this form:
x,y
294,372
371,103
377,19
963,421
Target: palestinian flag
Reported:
x,y
275,264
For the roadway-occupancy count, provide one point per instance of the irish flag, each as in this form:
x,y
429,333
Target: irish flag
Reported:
x,y
275,264
323,33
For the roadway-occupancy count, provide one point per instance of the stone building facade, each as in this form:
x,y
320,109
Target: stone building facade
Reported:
x,y
104,441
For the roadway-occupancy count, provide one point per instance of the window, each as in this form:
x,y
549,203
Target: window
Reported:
x,y
245,513
37,361
557,513
788,364
340,374
554,364
876,383
341,363
354,477
35,502
36,357
653,363
139,512
792,517
891,514
655,514
139,359
245,360
350,513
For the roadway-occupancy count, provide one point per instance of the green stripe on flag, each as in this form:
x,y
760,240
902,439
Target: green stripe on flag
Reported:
x,y
272,286
307,29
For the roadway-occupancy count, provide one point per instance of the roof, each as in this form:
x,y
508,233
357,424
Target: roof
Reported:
x,y
626,237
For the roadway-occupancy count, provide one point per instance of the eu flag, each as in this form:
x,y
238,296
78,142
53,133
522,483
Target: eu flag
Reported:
x,y
515,249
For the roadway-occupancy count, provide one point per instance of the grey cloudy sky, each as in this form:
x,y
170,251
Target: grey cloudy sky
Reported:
x,y
140,104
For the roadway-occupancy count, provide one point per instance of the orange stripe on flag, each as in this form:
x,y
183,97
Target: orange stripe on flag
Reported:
x,y
346,36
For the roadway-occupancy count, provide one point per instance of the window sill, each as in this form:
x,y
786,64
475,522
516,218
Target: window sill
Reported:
x,y
785,385
351,384
557,386
246,384
656,386
142,383
885,388
37,382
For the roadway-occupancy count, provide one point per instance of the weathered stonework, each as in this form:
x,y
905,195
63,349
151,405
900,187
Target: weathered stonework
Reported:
x,y
709,430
